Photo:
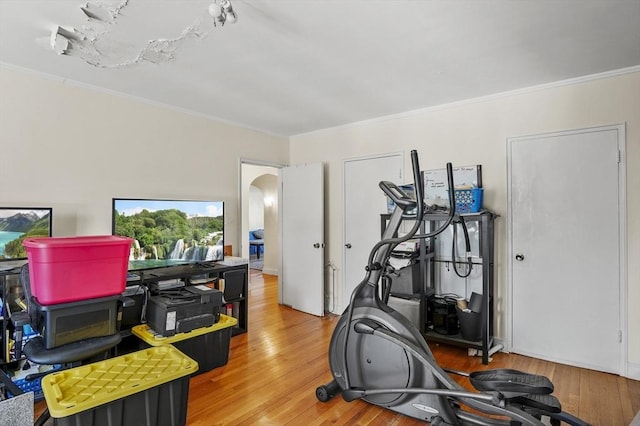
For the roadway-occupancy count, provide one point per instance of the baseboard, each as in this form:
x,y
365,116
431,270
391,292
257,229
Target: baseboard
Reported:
x,y
633,371
269,271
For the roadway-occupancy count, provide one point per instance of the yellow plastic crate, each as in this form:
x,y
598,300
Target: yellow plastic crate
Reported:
x,y
209,346
145,333
83,388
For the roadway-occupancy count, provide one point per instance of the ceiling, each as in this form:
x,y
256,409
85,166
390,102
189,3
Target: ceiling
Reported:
x,y
293,66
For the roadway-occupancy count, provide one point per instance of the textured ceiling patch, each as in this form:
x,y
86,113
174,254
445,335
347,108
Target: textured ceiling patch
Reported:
x,y
97,44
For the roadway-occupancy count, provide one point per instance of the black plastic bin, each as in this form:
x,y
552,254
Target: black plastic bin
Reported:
x,y
209,346
147,387
470,324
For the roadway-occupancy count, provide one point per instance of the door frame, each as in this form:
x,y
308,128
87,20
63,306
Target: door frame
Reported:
x,y
241,195
622,233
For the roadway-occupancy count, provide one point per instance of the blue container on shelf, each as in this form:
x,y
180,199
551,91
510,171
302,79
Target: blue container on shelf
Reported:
x,y
34,386
468,200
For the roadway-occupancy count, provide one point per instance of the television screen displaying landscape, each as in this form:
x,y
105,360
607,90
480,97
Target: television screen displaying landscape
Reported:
x,y
170,231
16,224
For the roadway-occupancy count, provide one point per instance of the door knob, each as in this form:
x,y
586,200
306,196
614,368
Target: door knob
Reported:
x,y
519,257
348,245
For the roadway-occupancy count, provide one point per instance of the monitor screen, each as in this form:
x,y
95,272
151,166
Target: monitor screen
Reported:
x,y
18,223
166,232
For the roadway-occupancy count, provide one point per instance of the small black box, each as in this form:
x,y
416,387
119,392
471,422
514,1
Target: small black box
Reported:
x,y
441,315
67,322
132,315
182,310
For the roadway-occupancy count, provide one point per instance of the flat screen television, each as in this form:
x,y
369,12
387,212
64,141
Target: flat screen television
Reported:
x,y
18,223
168,232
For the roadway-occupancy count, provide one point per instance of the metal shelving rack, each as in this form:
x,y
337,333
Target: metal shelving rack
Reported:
x,y
4,318
428,258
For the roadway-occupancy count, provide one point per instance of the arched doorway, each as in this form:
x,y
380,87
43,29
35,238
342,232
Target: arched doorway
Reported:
x,y
259,210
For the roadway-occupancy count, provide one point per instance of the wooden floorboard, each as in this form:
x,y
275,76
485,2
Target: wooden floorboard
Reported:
x,y
274,369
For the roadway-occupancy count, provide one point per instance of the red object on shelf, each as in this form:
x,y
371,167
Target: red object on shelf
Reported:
x,y
68,269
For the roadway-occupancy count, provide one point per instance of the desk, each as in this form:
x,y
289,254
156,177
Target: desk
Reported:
x,y
258,244
201,273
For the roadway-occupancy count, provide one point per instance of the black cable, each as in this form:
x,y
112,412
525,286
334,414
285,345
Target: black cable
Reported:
x,y
459,219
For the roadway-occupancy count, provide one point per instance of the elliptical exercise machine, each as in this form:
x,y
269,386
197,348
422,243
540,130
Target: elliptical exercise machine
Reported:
x,y
378,355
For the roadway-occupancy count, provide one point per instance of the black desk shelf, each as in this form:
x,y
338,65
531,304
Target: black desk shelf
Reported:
x,y
201,273
188,273
5,322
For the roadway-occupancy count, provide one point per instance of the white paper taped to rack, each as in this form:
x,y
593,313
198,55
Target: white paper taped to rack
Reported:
x,y
436,187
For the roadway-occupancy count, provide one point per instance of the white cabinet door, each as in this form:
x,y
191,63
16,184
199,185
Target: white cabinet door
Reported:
x,y
565,247
364,202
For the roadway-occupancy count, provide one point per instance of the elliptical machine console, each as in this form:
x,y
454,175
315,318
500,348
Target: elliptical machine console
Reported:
x,y
378,355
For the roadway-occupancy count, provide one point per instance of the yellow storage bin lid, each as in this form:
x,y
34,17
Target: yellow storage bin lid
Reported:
x,y
78,389
145,333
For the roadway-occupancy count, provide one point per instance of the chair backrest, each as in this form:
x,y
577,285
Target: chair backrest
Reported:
x,y
234,284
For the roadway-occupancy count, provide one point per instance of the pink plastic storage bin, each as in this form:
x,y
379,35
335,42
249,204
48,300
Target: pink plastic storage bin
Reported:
x,y
67,269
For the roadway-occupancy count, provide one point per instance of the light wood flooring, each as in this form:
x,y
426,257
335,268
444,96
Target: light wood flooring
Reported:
x,y
274,369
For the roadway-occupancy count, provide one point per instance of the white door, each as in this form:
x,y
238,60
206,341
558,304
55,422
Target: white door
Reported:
x,y
565,246
364,202
302,210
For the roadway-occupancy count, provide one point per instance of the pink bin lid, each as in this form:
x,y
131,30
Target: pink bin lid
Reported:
x,y
92,240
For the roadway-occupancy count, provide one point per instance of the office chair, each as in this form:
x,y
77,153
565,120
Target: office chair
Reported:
x,y
70,342
234,283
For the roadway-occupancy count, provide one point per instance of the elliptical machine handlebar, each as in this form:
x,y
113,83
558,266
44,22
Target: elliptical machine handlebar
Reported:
x,y
401,198
405,202
397,195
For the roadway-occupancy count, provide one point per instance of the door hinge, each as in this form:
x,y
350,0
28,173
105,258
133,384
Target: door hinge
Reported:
x,y
619,336
619,159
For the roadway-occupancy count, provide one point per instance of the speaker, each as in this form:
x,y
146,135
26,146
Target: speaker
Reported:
x,y
441,315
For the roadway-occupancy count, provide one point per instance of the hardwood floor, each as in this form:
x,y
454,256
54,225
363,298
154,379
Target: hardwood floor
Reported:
x,y
274,369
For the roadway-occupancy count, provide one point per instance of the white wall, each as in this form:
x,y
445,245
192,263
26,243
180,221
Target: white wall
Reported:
x,y
476,132
268,183
256,208
75,149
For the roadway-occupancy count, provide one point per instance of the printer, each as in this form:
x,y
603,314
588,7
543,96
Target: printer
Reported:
x,y
183,309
